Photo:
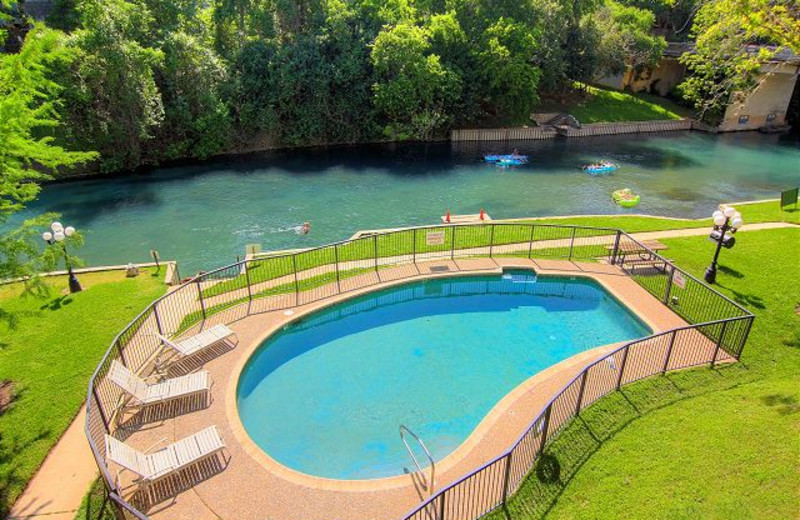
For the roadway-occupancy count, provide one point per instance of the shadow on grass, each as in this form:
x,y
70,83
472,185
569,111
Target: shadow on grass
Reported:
x,y
57,303
784,404
586,434
12,479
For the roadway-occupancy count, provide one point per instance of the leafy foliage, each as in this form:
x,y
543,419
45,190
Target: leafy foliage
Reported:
x,y
161,80
27,150
724,68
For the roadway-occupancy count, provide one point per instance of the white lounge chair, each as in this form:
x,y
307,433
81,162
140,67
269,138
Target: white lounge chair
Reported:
x,y
150,467
145,394
198,342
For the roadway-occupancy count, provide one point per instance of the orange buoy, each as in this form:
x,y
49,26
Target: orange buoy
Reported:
x,y
483,214
447,216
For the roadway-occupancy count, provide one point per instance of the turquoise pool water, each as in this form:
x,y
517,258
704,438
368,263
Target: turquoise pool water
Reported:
x,y
326,395
204,214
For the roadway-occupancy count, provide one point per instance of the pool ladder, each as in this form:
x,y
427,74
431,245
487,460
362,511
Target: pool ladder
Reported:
x,y
428,484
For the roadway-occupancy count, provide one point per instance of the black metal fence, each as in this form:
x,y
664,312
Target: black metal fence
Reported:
x,y
718,327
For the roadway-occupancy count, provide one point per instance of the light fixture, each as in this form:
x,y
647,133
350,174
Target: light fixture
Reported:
x,y
726,223
58,235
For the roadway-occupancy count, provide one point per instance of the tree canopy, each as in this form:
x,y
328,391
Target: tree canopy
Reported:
x,y
28,116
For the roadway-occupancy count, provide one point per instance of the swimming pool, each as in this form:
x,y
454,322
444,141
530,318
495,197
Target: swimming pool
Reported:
x,y
326,395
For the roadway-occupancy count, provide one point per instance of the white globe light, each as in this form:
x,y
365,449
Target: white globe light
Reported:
x,y
56,227
736,223
729,211
47,236
69,231
736,215
719,220
59,236
716,214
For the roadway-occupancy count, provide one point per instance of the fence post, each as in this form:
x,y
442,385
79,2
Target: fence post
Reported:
x,y
336,259
669,352
491,241
375,247
719,343
414,247
744,337
200,297
530,242
669,283
507,476
545,428
616,248
453,243
247,279
296,283
572,242
99,409
441,504
622,367
580,392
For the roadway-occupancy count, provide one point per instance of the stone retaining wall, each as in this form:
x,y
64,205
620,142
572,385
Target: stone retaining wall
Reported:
x,y
540,132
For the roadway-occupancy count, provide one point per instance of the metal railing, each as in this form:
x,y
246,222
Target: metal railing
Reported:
x,y
283,281
429,484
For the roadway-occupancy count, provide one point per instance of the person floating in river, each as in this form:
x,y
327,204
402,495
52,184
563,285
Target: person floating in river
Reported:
x,y
306,229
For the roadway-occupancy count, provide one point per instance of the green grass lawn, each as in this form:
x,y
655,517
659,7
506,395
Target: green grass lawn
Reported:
x,y
768,211
49,350
699,443
607,105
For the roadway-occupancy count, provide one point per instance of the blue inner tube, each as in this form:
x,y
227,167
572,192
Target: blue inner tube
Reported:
x,y
601,169
510,162
509,159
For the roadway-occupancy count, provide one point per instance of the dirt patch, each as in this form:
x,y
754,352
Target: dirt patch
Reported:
x,y
6,394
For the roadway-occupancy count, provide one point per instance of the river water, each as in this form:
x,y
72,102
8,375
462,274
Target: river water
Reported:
x,y
204,214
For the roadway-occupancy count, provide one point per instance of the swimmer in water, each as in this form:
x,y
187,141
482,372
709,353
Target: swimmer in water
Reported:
x,y
306,229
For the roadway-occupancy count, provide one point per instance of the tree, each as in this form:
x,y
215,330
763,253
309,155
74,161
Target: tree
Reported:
x,y
413,89
723,67
512,80
27,151
626,41
111,96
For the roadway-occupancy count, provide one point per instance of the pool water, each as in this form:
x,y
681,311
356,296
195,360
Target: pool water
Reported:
x,y
203,215
327,394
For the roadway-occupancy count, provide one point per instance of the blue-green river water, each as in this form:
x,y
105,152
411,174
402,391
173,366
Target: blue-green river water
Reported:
x,y
204,214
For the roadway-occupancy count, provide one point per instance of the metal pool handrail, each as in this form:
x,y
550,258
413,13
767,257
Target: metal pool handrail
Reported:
x,y
428,484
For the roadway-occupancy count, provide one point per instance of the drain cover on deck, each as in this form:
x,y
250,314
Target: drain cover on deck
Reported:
x,y
439,268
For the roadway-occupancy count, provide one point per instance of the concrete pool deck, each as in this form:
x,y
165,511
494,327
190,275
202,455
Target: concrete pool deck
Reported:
x,y
247,484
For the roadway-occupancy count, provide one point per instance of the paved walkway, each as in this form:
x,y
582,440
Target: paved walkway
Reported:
x,y
60,484
58,487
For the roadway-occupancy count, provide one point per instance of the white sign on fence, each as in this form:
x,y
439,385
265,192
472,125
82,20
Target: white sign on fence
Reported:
x,y
678,279
434,238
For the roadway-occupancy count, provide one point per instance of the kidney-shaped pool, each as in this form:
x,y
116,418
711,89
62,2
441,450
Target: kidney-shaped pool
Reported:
x,y
325,396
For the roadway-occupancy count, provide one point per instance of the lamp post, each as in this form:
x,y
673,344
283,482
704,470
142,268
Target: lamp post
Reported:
x,y
725,221
58,234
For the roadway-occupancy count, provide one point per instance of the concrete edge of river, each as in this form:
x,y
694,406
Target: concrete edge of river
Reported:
x,y
587,130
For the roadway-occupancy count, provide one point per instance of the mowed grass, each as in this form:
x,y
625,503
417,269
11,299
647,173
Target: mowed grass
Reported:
x,y
768,211
49,349
606,105
700,443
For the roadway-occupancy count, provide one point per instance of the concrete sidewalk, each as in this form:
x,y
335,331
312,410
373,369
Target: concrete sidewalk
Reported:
x,y
56,491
